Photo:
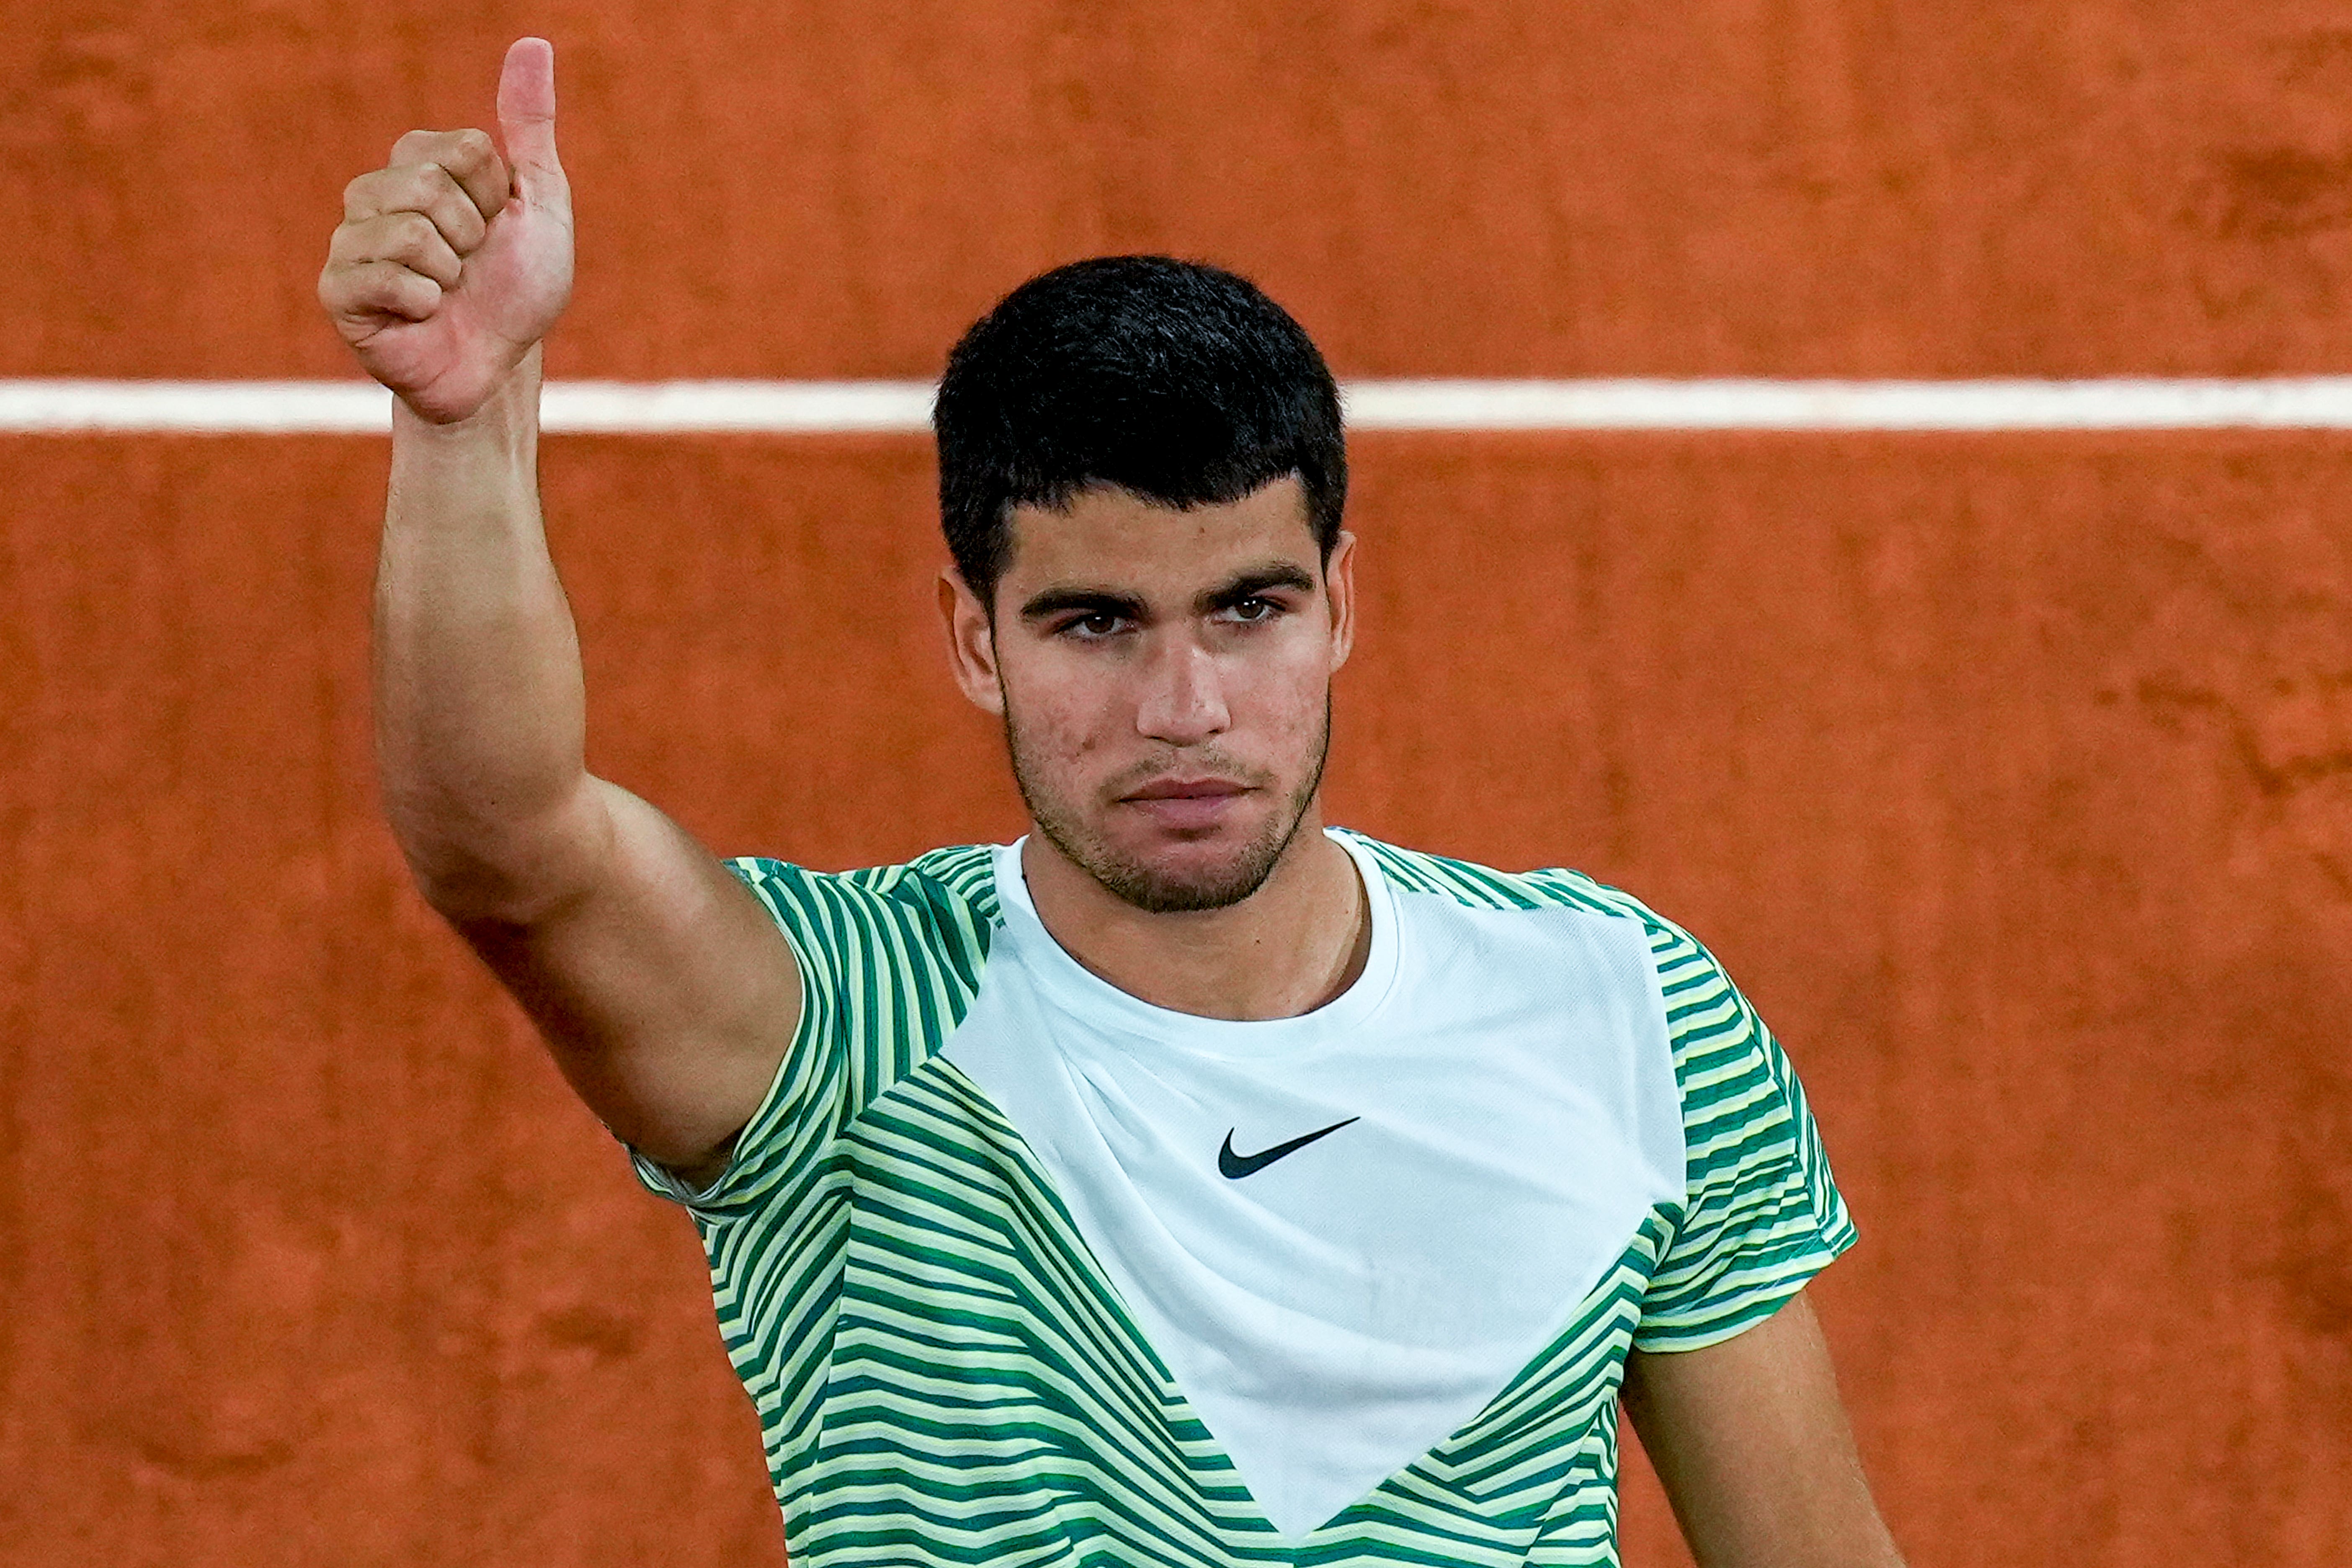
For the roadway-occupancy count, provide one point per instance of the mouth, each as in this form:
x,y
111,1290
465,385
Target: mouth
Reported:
x,y
1186,804
1187,789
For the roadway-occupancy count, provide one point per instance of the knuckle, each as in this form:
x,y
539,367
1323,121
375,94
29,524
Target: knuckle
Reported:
x,y
461,225
365,196
443,193
389,283
356,289
411,230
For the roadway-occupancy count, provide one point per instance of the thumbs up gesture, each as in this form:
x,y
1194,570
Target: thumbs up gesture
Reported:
x,y
456,257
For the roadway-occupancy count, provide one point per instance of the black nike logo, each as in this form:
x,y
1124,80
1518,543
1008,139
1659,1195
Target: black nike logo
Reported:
x,y
1233,1167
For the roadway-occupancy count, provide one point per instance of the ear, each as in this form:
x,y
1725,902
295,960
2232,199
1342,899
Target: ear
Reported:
x,y
1339,587
972,642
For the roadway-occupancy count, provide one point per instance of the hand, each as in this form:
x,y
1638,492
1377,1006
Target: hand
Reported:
x,y
452,261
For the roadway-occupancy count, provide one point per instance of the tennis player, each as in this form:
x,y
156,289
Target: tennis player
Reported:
x,y
1188,1183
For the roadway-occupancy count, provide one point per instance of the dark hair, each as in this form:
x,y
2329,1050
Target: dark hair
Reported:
x,y
1178,382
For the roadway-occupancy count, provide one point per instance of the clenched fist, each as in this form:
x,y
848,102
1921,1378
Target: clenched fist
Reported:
x,y
453,261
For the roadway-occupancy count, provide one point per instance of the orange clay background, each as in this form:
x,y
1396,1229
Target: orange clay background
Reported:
x,y
2011,776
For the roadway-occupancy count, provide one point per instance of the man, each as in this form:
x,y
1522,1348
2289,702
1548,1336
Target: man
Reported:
x,y
1187,1182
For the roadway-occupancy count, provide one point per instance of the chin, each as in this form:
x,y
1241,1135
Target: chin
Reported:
x,y
1166,890
1160,876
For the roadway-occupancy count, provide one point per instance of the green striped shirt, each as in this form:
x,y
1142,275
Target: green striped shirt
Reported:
x,y
945,1372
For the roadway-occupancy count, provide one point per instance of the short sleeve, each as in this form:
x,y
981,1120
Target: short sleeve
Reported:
x,y
888,959
1763,1214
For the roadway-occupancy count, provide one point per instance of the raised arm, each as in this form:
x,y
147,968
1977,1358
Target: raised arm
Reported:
x,y
664,992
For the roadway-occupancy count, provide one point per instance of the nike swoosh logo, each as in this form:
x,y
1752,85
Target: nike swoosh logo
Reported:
x,y
1233,1167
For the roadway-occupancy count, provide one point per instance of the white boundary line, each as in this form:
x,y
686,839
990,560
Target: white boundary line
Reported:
x,y
818,408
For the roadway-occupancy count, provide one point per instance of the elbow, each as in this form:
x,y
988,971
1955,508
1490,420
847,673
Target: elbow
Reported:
x,y
471,893
481,872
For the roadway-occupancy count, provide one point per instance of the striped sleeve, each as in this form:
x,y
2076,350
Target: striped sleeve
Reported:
x,y
888,959
1763,1214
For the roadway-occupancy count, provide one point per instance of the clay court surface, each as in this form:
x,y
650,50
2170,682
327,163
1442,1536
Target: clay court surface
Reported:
x,y
2011,777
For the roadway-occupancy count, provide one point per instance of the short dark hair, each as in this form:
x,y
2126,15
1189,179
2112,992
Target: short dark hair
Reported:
x,y
1178,382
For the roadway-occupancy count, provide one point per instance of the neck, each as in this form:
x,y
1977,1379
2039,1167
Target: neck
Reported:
x,y
1290,947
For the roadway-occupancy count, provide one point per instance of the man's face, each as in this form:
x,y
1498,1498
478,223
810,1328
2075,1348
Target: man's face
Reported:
x,y
1164,678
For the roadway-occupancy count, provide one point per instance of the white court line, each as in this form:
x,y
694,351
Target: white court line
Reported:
x,y
814,407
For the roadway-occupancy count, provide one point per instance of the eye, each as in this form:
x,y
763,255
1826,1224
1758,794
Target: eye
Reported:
x,y
1251,611
1094,627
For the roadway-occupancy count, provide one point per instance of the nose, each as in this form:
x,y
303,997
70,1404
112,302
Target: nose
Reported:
x,y
1183,701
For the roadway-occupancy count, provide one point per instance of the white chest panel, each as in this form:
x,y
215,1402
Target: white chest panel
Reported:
x,y
1511,1117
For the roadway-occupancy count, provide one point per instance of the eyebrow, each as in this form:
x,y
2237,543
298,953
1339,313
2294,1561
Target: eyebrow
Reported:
x,y
1253,580
1061,598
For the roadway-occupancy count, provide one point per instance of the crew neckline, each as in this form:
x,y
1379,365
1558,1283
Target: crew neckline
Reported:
x,y
1082,992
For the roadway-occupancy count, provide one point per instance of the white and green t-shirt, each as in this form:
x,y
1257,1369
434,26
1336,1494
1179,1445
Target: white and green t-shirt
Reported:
x,y
1019,1269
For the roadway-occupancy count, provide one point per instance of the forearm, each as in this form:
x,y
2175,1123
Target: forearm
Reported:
x,y
480,711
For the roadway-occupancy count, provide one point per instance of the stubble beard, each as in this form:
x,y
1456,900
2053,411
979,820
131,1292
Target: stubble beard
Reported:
x,y
1147,886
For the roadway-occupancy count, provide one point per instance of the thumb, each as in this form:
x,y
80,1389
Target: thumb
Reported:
x,y
527,112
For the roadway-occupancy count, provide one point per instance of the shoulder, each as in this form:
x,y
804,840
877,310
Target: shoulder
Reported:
x,y
963,873
1691,985
1473,886
943,898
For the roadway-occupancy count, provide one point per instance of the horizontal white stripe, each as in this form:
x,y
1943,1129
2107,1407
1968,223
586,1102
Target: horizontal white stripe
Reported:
x,y
810,407
2312,403
277,407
